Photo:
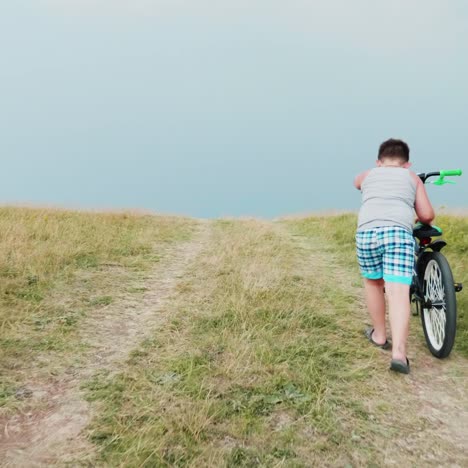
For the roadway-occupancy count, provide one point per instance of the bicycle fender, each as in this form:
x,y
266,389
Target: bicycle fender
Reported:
x,y
437,245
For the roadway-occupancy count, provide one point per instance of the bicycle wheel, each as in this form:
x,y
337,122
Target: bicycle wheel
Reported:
x,y
439,320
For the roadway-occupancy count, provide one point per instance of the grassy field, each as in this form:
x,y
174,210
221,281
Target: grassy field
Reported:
x,y
258,362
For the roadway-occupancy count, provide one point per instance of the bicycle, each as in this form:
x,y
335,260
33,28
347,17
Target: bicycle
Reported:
x,y
433,290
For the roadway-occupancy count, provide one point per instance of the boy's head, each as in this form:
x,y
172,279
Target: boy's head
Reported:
x,y
394,152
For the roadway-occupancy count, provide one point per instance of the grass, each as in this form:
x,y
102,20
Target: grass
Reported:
x,y
58,266
254,369
260,361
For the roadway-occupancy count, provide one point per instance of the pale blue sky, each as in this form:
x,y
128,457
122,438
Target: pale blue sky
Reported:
x,y
226,107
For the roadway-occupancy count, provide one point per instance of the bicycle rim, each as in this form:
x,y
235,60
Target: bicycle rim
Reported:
x,y
435,318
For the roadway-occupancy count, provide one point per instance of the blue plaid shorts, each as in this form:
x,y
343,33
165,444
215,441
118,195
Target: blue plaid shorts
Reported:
x,y
386,252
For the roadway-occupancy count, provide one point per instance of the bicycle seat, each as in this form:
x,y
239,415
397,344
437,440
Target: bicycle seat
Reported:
x,y
426,230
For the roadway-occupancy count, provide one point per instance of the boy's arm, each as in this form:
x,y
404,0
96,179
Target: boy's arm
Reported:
x,y
422,205
359,179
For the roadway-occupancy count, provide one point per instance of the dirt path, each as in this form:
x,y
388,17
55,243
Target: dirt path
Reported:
x,y
427,419
51,434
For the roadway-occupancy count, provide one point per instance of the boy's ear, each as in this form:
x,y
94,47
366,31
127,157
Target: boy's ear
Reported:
x,y
407,165
379,163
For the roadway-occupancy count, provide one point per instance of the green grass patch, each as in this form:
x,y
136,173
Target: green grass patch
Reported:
x,y
337,232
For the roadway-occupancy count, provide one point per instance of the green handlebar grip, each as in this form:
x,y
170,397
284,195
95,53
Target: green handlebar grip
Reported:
x,y
454,172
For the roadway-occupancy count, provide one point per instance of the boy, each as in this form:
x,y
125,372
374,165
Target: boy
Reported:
x,y
385,244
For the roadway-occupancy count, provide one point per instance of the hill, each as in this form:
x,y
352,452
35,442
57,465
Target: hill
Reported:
x,y
131,340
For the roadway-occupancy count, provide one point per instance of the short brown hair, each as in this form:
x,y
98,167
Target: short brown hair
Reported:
x,y
393,148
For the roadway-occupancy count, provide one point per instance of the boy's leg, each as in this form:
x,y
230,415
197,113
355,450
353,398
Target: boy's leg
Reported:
x,y
375,300
399,314
398,265
369,256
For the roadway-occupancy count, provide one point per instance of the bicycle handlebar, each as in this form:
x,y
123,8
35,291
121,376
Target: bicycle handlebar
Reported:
x,y
441,174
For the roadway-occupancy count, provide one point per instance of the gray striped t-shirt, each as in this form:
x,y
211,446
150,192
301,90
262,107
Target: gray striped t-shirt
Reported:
x,y
388,196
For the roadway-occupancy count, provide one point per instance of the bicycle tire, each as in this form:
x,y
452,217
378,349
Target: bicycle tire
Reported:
x,y
439,321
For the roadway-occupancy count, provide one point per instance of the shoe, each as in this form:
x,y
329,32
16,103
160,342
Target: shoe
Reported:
x,y
400,366
369,333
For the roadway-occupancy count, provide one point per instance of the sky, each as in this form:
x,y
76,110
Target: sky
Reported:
x,y
213,108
